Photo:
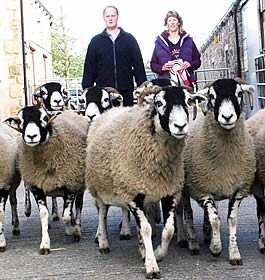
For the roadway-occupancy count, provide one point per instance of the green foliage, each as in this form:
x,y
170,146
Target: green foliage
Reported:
x,y
67,62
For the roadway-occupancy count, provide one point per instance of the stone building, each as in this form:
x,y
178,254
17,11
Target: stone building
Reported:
x,y
37,42
236,43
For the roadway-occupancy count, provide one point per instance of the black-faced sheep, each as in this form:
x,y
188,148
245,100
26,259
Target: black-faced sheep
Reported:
x,y
47,144
9,181
134,158
52,96
220,161
97,100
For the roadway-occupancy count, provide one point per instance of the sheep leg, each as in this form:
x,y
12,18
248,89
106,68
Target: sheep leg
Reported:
x,y
97,233
152,216
179,225
78,210
3,199
193,244
69,198
55,215
208,204
207,230
27,200
260,215
102,227
125,233
233,207
145,232
13,203
170,203
40,198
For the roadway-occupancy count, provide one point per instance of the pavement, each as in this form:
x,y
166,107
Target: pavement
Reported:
x,y
82,260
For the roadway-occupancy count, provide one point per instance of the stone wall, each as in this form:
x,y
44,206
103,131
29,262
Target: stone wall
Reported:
x,y
11,94
37,36
219,51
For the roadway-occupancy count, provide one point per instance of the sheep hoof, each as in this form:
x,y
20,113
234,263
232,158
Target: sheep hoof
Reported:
x,y
236,262
104,251
183,243
216,255
76,238
2,249
16,231
44,251
207,241
125,236
262,250
195,252
153,275
27,213
56,218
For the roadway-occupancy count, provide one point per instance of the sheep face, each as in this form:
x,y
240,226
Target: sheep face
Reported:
x,y
98,100
52,96
34,124
171,105
225,100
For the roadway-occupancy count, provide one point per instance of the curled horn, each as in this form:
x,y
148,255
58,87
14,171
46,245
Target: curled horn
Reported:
x,y
146,91
250,90
111,89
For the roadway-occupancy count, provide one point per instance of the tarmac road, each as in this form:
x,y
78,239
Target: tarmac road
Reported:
x,y
82,260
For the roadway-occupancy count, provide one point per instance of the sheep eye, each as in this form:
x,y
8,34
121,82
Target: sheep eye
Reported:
x,y
45,119
240,94
159,104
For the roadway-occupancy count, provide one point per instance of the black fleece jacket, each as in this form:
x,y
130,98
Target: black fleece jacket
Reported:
x,y
115,63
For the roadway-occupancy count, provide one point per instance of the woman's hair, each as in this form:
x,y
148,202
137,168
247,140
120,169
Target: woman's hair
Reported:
x,y
176,15
113,7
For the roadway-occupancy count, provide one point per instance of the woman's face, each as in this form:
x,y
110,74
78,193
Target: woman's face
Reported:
x,y
172,24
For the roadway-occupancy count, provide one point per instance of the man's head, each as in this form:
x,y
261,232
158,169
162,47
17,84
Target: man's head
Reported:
x,y
111,16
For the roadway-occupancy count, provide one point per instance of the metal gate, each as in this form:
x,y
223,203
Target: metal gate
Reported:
x,y
260,76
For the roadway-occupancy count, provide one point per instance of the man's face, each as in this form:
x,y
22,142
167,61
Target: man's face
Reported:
x,y
111,18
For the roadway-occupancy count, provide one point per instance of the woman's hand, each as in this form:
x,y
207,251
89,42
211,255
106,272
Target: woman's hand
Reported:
x,y
185,65
168,65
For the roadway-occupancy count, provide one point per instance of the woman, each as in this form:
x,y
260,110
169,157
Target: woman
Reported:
x,y
175,52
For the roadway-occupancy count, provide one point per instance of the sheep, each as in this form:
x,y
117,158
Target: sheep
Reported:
x,y
219,162
52,96
48,141
9,181
256,127
96,100
134,158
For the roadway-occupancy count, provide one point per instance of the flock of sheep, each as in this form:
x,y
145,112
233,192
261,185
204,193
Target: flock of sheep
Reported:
x,y
135,158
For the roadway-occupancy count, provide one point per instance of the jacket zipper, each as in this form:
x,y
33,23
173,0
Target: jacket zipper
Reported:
x,y
115,70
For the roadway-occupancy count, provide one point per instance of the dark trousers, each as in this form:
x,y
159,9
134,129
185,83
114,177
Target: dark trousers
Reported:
x,y
127,96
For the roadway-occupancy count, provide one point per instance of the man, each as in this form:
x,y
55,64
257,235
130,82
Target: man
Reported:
x,y
114,58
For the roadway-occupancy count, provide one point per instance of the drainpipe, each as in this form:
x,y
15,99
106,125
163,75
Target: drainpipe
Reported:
x,y
23,54
239,67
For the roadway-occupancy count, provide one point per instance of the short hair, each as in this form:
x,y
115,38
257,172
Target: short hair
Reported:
x,y
176,15
113,7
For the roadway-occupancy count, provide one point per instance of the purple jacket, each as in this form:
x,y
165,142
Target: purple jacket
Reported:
x,y
188,52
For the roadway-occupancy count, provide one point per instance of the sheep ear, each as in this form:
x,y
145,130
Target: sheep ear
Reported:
x,y
13,122
53,115
196,99
116,99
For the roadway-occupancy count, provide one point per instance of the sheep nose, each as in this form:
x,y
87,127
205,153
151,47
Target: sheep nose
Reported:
x,y
227,118
57,101
180,127
31,137
91,117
